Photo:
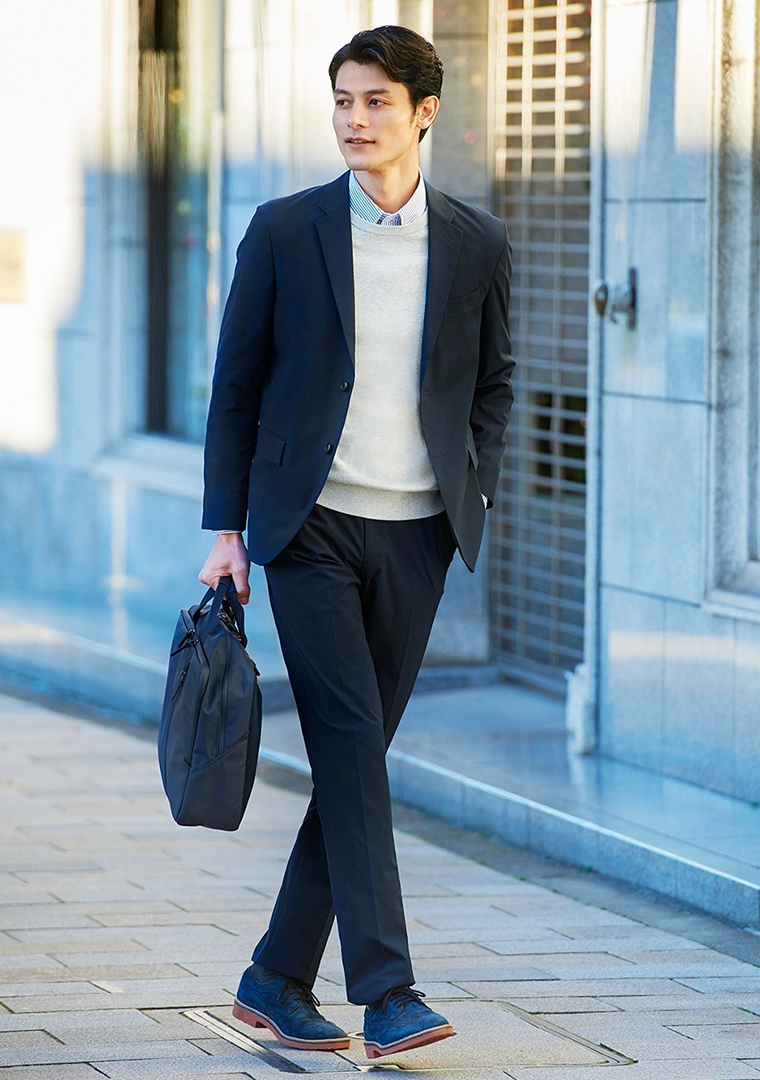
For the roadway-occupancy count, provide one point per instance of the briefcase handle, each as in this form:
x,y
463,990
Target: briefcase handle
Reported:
x,y
225,588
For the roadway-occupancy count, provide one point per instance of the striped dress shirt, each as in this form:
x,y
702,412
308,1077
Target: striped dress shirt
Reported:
x,y
366,208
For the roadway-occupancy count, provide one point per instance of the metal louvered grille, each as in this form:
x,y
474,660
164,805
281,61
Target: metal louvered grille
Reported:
x,y
542,169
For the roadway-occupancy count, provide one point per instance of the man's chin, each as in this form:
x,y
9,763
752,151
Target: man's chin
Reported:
x,y
357,159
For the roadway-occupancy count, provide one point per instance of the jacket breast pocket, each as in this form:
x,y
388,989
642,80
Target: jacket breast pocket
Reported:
x,y
270,446
456,303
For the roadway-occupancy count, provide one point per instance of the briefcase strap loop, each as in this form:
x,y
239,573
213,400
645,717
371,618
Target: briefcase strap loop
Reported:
x,y
226,587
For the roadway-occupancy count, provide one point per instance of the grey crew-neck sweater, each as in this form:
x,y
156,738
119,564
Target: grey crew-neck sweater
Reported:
x,y
381,467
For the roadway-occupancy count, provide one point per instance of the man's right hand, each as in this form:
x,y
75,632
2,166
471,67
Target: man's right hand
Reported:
x,y
228,557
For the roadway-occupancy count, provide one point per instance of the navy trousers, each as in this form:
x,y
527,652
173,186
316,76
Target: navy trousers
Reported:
x,y
354,601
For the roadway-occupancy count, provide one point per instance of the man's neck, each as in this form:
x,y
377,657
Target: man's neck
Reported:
x,y
391,188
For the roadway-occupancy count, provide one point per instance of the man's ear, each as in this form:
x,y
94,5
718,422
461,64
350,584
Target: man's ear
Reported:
x,y
427,110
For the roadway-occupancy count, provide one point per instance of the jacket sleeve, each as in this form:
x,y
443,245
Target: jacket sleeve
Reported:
x,y
243,359
493,395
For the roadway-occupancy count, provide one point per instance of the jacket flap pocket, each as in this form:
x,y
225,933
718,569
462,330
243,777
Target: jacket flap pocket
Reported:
x,y
471,447
269,446
454,303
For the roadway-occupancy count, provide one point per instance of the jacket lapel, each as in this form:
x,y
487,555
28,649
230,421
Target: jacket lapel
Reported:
x,y
334,230
444,242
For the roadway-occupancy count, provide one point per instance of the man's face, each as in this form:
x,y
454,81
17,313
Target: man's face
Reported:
x,y
373,117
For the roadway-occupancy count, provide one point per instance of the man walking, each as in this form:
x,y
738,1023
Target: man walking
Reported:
x,y
356,425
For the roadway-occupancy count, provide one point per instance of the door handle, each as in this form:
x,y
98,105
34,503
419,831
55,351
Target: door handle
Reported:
x,y
619,299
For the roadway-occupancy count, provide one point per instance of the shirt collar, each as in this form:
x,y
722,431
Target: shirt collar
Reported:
x,y
367,209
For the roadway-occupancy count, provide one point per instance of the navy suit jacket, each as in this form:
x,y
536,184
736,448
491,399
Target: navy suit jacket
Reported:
x,y
285,369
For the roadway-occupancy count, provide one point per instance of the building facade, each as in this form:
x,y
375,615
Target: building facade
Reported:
x,y
615,137
673,634
144,142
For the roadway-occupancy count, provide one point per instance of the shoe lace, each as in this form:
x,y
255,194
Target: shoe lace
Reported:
x,y
300,991
403,995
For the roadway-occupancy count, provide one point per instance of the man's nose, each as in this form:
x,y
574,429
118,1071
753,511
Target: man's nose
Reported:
x,y
357,117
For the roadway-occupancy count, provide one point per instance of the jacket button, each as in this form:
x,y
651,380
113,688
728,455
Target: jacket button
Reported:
x,y
328,448
345,385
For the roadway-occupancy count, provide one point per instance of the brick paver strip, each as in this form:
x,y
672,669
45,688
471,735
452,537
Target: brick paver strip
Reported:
x,y
114,922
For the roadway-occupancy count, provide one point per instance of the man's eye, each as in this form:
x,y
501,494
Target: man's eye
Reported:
x,y
340,101
376,101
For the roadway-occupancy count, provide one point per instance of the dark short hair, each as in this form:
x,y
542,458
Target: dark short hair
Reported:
x,y
404,55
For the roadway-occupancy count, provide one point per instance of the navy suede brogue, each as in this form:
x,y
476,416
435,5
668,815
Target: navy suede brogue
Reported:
x,y
288,1008
400,1021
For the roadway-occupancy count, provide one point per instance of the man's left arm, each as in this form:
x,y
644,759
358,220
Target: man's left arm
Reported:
x,y
493,395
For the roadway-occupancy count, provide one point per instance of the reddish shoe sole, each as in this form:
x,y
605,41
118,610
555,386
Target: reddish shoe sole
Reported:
x,y
424,1038
257,1020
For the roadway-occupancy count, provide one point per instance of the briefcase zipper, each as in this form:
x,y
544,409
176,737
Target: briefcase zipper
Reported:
x,y
188,639
180,681
223,720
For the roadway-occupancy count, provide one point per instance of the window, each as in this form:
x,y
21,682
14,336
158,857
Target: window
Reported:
x,y
180,146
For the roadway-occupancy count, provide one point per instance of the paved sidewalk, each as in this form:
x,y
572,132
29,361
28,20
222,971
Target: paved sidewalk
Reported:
x,y
122,939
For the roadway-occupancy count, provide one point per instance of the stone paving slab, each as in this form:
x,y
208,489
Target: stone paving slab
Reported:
x,y
71,941
459,968
9,991
73,1028
707,960
132,1070
724,1069
549,1006
695,1003
618,969
730,984
41,917
231,1065
114,922
94,909
670,1041
487,1036
174,1071
736,1038
156,997
227,971
423,935
606,988
17,892
129,971
52,1072
666,1017
556,944
630,936
216,899
34,1039
102,1051
28,967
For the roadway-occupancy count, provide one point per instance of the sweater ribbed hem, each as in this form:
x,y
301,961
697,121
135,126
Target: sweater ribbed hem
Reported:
x,y
378,503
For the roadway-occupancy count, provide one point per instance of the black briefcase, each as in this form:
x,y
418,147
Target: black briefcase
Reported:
x,y
208,739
